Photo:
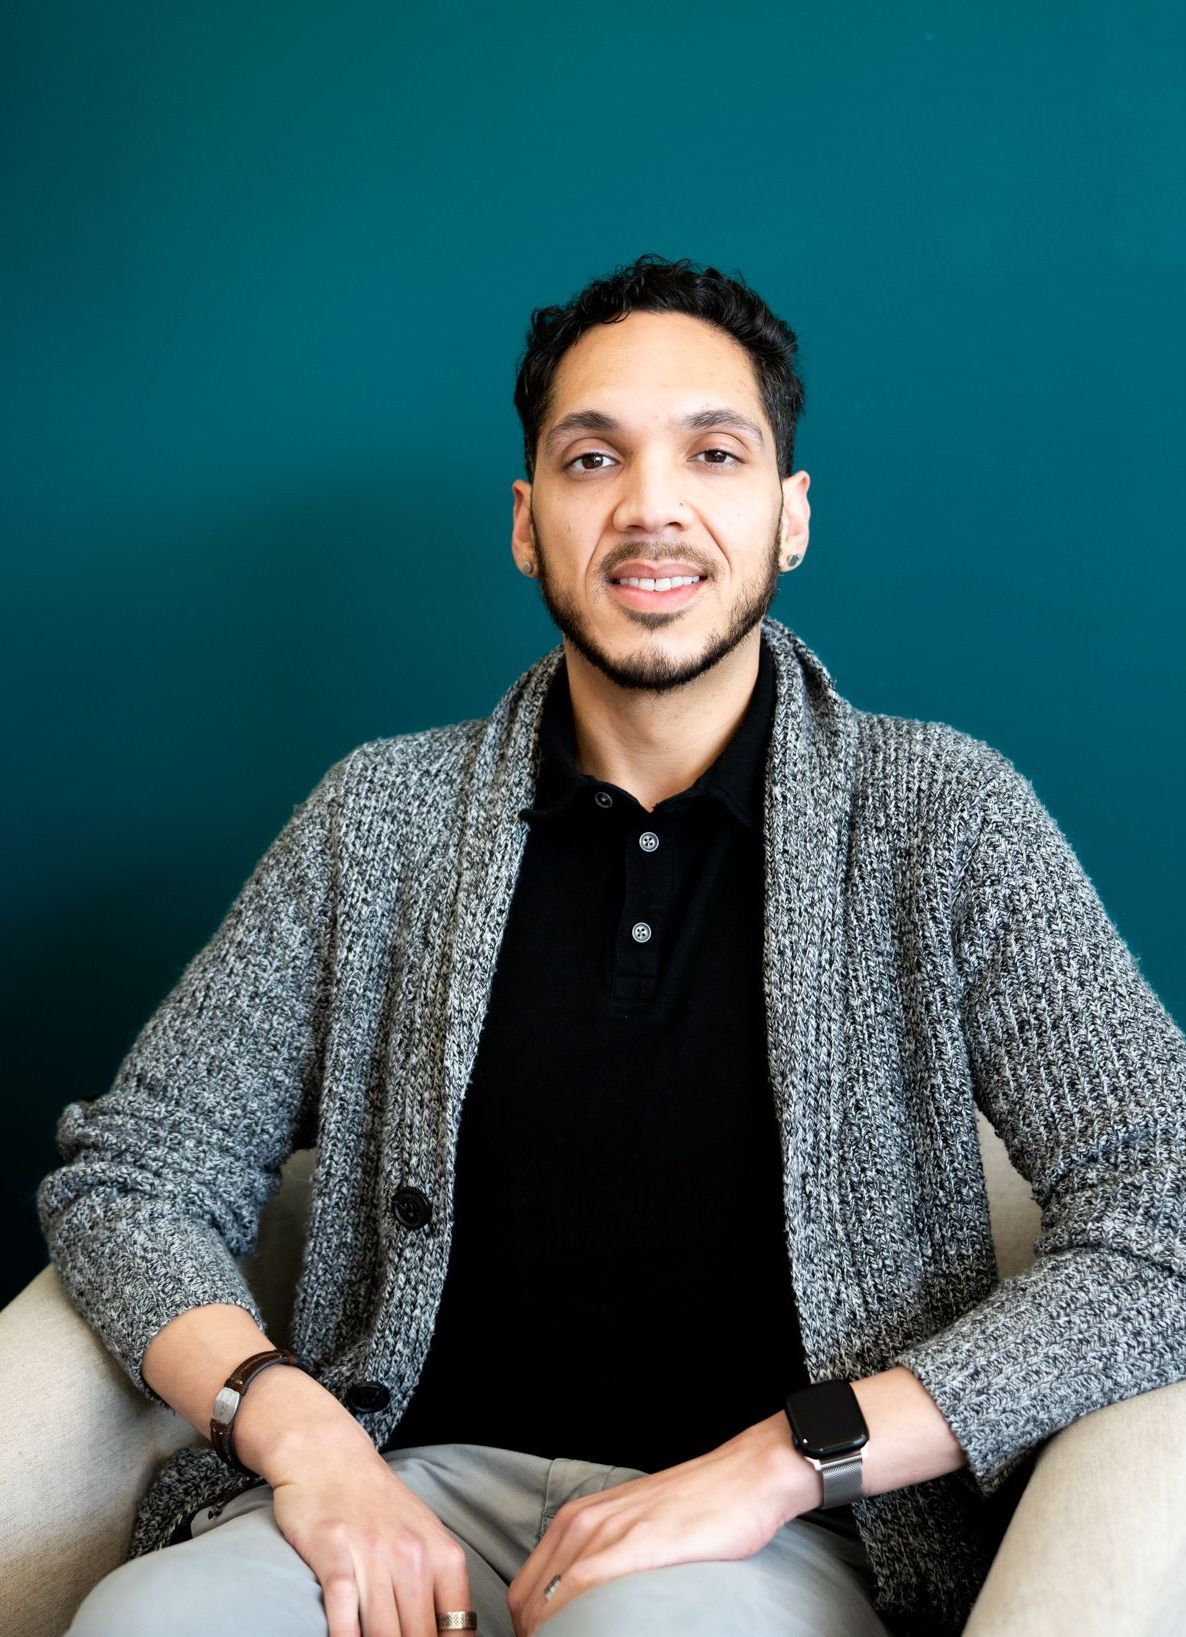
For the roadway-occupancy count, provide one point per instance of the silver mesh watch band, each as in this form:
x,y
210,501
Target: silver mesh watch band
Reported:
x,y
842,1479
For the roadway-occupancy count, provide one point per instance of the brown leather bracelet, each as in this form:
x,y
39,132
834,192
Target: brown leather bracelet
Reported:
x,y
230,1396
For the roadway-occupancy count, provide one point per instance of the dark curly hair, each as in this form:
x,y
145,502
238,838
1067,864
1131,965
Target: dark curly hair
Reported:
x,y
652,284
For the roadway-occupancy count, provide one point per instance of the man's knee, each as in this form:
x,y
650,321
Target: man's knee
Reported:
x,y
782,1595
242,1577
659,1601
144,1598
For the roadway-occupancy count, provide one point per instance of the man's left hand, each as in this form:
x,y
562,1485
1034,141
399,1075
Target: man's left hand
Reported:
x,y
726,1504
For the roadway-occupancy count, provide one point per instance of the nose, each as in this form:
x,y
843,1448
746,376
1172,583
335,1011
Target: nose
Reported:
x,y
651,497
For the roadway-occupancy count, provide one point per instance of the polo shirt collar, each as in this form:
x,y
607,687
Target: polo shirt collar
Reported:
x,y
735,779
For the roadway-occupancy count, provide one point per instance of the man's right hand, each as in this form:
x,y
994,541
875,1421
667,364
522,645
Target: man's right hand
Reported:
x,y
385,1561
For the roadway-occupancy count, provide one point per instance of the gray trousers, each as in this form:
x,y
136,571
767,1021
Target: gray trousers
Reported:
x,y
239,1576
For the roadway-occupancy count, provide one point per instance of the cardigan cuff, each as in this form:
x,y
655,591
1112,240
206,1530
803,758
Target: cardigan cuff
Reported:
x,y
1079,1329
164,1268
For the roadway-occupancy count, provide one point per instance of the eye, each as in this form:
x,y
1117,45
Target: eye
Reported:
x,y
590,454
728,452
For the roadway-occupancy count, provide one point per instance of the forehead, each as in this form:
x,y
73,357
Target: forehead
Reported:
x,y
654,360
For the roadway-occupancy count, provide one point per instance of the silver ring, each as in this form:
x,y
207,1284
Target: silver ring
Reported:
x,y
551,1586
458,1620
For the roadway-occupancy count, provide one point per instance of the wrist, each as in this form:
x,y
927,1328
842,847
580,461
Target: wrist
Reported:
x,y
795,1485
288,1421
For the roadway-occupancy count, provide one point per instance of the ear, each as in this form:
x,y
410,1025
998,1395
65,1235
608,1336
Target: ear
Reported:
x,y
795,521
523,528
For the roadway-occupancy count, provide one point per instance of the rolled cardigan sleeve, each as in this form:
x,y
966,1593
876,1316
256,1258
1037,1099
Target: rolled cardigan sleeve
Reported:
x,y
167,1173
1082,1072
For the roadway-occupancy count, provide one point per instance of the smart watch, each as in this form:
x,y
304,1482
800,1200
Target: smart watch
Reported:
x,y
830,1432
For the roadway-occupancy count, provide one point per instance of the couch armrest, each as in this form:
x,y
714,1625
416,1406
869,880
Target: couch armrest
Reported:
x,y
1097,1545
79,1444
77,1448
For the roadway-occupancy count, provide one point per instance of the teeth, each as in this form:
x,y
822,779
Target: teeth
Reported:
x,y
675,580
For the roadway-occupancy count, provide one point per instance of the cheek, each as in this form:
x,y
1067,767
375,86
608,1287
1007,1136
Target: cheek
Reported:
x,y
739,543
738,520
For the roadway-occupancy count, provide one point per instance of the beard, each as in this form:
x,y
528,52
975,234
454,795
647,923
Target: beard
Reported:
x,y
650,669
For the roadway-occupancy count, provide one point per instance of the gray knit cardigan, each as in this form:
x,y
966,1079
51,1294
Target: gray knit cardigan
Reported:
x,y
932,945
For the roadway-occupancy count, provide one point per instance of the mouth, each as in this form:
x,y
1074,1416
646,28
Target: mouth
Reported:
x,y
637,596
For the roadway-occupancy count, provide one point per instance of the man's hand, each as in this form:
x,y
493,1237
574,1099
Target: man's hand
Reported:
x,y
385,1561
726,1504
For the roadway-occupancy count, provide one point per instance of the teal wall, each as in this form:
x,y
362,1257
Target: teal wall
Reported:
x,y
266,274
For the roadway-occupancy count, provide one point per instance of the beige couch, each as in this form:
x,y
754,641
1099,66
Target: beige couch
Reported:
x,y
1097,1545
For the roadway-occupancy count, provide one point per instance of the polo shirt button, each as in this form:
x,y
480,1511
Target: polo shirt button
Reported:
x,y
412,1208
603,798
640,932
367,1396
648,841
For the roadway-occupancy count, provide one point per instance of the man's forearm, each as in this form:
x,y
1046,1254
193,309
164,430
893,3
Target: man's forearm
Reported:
x,y
909,1442
284,1412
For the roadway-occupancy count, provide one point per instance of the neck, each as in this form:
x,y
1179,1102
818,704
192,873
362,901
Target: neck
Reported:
x,y
656,744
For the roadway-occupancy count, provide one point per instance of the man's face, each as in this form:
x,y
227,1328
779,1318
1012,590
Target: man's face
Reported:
x,y
643,492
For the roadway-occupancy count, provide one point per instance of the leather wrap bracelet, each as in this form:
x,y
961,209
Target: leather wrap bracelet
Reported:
x,y
230,1397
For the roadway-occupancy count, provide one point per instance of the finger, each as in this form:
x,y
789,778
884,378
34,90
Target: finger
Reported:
x,y
419,1609
429,1580
416,1609
378,1599
451,1588
410,1576
339,1593
560,1546
617,1549
581,1575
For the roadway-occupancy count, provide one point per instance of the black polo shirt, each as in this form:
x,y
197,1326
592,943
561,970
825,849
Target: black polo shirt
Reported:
x,y
619,1282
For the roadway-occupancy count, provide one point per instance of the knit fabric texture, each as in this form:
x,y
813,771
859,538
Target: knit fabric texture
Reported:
x,y
932,945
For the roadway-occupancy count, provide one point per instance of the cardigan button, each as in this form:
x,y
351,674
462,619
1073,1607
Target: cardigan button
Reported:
x,y
412,1208
367,1395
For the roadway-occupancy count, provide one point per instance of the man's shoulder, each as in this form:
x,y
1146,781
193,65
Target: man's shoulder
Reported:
x,y
928,774
407,766
421,750
919,742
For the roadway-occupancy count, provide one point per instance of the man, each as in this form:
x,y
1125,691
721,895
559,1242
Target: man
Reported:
x,y
692,1323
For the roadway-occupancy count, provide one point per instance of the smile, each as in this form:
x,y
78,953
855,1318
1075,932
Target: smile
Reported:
x,y
673,593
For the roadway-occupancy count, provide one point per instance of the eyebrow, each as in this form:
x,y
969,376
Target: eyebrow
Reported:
x,y
700,420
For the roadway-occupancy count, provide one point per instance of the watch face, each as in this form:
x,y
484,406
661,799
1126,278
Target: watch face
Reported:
x,y
826,1419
